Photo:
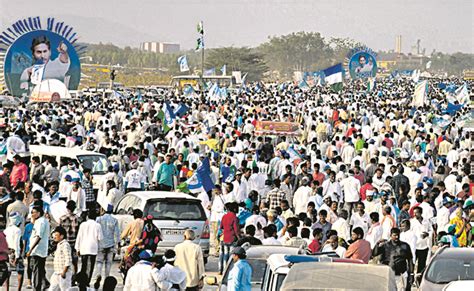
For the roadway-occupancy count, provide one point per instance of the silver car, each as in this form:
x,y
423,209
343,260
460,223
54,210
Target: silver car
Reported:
x,y
448,265
172,213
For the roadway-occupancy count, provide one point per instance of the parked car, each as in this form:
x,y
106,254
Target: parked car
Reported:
x,y
448,265
278,266
172,213
339,276
257,258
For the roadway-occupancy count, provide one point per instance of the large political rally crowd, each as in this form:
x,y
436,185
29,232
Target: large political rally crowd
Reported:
x,y
365,174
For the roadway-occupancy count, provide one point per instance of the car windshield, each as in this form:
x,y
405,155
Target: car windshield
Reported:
x,y
445,270
258,270
175,209
97,163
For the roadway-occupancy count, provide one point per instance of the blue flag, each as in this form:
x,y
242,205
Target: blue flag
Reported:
x,y
204,175
224,70
188,90
210,72
181,111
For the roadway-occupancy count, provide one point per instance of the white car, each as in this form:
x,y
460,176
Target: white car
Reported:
x,y
173,213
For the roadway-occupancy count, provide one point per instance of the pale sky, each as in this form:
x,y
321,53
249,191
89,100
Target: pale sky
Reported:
x,y
444,25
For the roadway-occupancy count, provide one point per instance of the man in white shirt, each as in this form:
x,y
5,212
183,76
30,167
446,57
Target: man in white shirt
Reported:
x,y
301,196
360,218
374,234
342,226
87,243
442,217
144,276
407,235
270,233
351,188
173,274
423,231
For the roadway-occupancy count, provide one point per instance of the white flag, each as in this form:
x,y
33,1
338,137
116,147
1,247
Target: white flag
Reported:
x,y
183,64
419,97
37,74
428,65
462,94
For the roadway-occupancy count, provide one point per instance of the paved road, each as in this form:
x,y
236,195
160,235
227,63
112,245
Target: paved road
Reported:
x,y
211,270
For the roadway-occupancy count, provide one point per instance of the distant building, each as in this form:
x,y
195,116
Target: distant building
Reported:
x,y
398,44
394,60
159,47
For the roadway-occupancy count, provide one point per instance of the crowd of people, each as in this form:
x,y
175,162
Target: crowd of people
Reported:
x,y
367,176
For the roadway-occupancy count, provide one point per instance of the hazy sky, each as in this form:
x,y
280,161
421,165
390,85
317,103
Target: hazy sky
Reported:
x,y
446,25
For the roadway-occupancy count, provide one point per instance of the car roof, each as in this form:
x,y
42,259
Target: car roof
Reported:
x,y
263,252
282,261
148,195
456,253
61,151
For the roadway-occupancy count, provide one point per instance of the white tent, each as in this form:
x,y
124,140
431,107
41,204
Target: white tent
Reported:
x,y
50,90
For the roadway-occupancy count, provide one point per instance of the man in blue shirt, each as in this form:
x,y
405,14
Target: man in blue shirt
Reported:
x,y
241,274
165,175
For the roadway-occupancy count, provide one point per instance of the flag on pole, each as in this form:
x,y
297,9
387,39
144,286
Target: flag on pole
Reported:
x,y
167,117
333,76
200,43
204,175
303,85
243,85
192,185
183,64
428,65
224,70
213,91
415,76
181,111
188,90
200,27
419,97
210,72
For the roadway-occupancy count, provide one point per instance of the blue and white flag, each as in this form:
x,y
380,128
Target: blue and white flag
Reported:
x,y
181,111
200,43
419,97
224,70
416,76
169,116
223,92
183,64
188,90
333,76
210,72
243,85
194,185
462,94
303,85
37,74
204,175
118,95
214,91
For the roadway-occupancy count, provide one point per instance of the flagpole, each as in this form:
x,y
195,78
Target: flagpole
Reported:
x,y
202,70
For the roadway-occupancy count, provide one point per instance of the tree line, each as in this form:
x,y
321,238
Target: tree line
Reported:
x,y
276,59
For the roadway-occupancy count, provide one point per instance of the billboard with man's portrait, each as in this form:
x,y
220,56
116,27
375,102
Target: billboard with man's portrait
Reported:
x,y
38,54
362,63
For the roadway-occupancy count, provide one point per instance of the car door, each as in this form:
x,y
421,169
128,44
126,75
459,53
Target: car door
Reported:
x,y
124,210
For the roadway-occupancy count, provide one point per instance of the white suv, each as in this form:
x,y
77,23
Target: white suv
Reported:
x,y
173,213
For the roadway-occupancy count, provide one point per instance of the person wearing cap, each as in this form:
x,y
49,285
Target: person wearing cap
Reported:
x,y
189,258
173,274
240,276
13,236
144,276
442,216
62,266
109,244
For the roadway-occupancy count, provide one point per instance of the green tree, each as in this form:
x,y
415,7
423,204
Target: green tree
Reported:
x,y
242,59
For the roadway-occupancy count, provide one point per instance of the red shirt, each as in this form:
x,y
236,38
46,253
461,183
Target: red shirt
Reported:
x,y
3,247
19,173
230,227
314,246
319,177
363,190
359,250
